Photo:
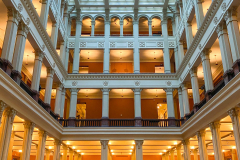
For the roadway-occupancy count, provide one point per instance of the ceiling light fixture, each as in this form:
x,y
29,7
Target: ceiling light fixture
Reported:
x,y
154,56
122,92
120,55
156,93
86,93
216,63
88,55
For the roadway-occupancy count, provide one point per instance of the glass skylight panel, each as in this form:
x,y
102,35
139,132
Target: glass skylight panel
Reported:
x,y
150,9
151,2
121,9
91,2
121,2
92,9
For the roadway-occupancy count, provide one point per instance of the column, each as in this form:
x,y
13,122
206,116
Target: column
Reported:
x,y
106,55
180,51
121,28
27,139
54,34
48,88
176,58
195,154
65,150
5,131
225,52
234,114
3,105
79,157
105,107
37,72
69,26
136,56
189,35
150,27
137,106
170,106
66,58
10,150
234,156
179,152
167,155
181,106
44,12
104,149
174,28
57,145
208,80
234,37
41,145
70,154
166,56
139,152
216,139
186,147
172,154
58,99
9,39
62,102
92,28
202,145
62,51
163,157
185,98
199,12
195,86
19,52
73,104
48,152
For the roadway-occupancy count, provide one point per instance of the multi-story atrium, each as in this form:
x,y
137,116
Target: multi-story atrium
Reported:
x,y
119,79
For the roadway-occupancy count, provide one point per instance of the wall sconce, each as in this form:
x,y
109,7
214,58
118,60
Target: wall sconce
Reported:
x,y
216,63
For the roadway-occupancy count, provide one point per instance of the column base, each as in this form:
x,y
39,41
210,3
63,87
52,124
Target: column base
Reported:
x,y
6,66
171,122
71,121
236,67
208,95
228,75
138,121
16,76
35,95
105,122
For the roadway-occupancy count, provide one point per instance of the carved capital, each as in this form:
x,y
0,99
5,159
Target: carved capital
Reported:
x,y
50,71
3,105
29,125
169,90
205,54
24,28
13,13
139,143
10,112
39,54
74,90
106,90
231,14
186,142
200,134
179,147
193,71
42,134
233,113
57,142
137,90
104,143
214,125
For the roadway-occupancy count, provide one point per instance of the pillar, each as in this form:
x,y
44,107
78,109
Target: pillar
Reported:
x,y
216,139
163,157
71,154
208,80
178,152
186,147
181,106
166,56
180,51
62,102
69,26
189,34
195,154
57,145
150,27
234,36
195,86
48,88
176,58
65,150
73,104
92,27
170,105
202,145
106,56
234,114
54,34
37,73
199,12
104,149
174,28
27,139
167,156
185,98
19,52
234,156
9,39
3,105
5,131
41,145
136,56
47,156
121,28
172,154
225,52
10,150
137,106
139,151
44,12
66,58
62,51
58,99
79,157
105,107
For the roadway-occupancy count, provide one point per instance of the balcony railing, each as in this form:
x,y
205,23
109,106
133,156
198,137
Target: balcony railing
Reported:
x,y
121,123
87,123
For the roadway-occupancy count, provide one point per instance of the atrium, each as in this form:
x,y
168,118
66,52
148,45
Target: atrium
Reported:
x,y
119,80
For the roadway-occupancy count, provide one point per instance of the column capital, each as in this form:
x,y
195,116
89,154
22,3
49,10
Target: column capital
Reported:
x,y
29,125
234,112
231,14
71,150
93,22
139,143
106,22
200,1
3,105
186,142
193,71
74,90
60,85
57,142
169,90
149,22
13,13
106,90
221,29
201,134
50,71
136,22
184,86
24,28
137,90
65,147
179,90
44,1
10,112
178,147
39,54
104,143
42,133
121,22
205,54
214,125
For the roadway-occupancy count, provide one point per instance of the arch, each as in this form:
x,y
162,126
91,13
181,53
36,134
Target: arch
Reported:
x,y
99,16
86,25
127,25
143,26
156,25
156,15
115,15
86,15
143,15
115,25
127,15
99,26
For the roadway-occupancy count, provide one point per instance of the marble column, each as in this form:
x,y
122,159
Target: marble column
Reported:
x,y
181,106
172,154
121,28
216,139
71,154
10,150
69,26
234,114
174,26
66,58
73,105
225,52
54,34
170,105
37,72
44,12
176,58
136,56
104,149
41,145
19,52
137,106
185,98
65,150
62,103
234,36
199,12
58,99
106,56
150,27
62,51
186,147
47,156
9,39
180,51
92,28
208,80
3,105
163,157
6,130
79,157
48,87
195,86
27,139
166,56
189,34
105,107
202,145
234,156
57,145
167,156
139,151
178,152
195,154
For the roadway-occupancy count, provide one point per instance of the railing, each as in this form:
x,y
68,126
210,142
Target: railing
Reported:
x,y
64,122
87,123
121,123
218,87
62,27
161,122
26,88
